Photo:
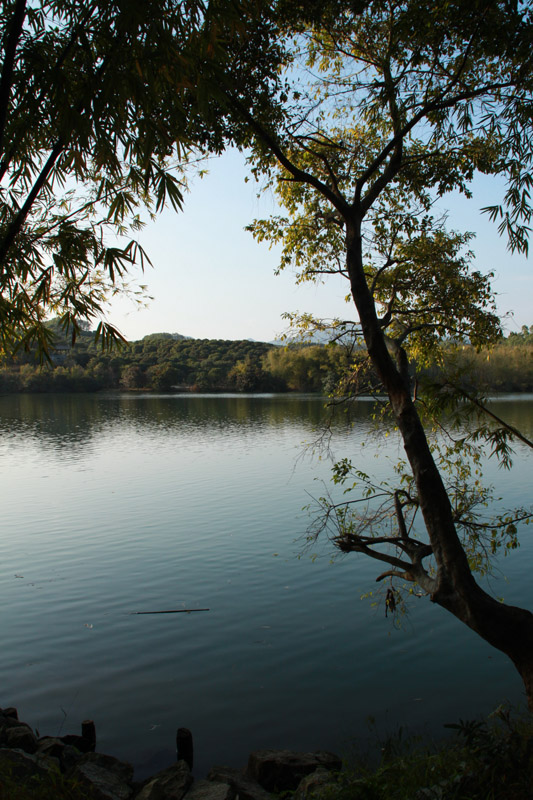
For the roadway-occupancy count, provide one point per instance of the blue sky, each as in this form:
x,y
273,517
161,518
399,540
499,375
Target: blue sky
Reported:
x,y
212,280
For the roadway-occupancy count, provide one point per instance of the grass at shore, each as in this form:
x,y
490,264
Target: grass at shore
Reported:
x,y
486,760
50,787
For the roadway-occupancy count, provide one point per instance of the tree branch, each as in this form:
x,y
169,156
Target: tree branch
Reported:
x,y
75,33
298,174
395,163
394,573
6,81
19,219
413,572
489,413
16,224
398,507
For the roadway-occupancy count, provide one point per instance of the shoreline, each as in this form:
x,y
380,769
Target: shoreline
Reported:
x,y
31,759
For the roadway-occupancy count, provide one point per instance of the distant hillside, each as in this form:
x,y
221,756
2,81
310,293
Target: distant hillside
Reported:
x,y
158,362
155,337
173,362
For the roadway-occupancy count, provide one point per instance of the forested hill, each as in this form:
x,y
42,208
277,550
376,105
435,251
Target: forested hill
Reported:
x,y
171,362
159,362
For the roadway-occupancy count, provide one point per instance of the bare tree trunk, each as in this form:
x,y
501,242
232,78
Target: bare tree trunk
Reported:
x,y
508,628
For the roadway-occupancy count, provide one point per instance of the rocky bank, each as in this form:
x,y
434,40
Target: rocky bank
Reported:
x,y
28,757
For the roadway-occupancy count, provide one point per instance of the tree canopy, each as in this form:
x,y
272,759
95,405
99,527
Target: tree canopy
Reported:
x,y
103,104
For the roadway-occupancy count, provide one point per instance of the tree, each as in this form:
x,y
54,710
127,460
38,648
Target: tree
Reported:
x,y
132,377
163,377
102,104
248,375
387,106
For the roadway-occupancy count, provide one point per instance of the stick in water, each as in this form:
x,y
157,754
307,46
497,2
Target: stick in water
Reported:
x,y
172,611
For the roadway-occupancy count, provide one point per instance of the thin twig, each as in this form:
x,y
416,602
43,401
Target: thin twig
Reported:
x,y
172,611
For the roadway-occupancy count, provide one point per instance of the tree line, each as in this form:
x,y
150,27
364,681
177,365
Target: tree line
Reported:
x,y
169,362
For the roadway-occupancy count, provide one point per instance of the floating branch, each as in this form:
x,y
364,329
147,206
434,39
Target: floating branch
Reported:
x,y
172,611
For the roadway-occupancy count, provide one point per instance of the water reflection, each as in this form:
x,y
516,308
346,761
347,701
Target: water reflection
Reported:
x,y
73,421
516,411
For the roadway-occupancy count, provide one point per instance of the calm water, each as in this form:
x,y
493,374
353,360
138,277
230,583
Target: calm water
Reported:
x,y
117,504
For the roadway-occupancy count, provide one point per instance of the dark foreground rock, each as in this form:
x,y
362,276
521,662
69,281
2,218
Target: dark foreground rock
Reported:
x,y
314,784
27,757
237,779
211,790
170,784
282,770
22,766
19,737
107,777
66,755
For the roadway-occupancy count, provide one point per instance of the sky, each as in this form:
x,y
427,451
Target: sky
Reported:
x,y
210,278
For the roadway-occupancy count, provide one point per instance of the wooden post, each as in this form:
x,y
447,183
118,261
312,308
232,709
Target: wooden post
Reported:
x,y
184,746
88,731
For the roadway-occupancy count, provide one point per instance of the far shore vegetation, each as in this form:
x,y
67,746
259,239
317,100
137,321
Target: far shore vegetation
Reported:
x,y
163,362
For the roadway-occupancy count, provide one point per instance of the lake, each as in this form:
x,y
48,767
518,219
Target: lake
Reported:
x,y
124,503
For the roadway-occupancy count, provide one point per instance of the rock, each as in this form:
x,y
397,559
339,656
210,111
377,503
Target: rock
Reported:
x,y
314,784
282,770
22,766
17,735
11,722
210,790
10,712
169,784
69,757
53,747
243,786
107,777
122,769
50,746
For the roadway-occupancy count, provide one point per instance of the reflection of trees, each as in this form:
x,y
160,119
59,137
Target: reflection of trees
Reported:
x,y
73,421
59,421
516,411
68,421
224,411
234,410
